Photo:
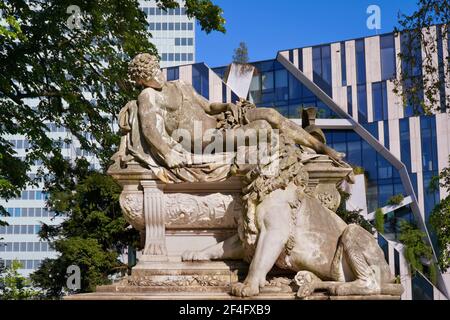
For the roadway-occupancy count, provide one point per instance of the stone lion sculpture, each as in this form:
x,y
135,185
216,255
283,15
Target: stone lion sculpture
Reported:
x,y
284,226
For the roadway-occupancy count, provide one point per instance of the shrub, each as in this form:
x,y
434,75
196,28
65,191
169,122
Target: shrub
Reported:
x,y
358,170
415,247
396,200
379,220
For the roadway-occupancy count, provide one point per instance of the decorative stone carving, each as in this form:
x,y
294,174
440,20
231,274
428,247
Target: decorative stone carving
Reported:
x,y
155,242
181,281
132,204
328,195
215,210
182,210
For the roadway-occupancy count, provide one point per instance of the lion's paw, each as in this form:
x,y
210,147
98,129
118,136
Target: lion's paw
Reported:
x,y
194,256
244,290
306,282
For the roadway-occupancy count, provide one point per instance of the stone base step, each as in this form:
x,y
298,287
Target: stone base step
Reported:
x,y
215,296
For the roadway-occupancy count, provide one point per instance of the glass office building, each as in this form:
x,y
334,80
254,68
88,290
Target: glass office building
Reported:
x,y
173,33
351,84
174,37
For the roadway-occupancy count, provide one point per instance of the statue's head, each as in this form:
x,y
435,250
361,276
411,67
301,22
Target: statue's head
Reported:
x,y
144,70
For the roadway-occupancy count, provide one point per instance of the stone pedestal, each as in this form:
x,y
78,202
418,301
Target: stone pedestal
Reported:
x,y
192,216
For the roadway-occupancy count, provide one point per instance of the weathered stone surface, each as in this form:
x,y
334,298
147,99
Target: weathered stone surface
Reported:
x,y
282,210
210,295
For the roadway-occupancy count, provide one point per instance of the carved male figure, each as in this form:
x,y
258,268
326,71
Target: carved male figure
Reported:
x,y
180,107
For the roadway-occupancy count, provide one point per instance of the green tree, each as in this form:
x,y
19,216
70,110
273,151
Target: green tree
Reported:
x,y
379,220
424,90
14,286
56,70
351,216
241,54
396,200
416,249
93,235
440,221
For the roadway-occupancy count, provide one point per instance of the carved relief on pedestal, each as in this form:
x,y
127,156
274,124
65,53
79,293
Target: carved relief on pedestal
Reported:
x,y
217,210
132,204
181,281
328,195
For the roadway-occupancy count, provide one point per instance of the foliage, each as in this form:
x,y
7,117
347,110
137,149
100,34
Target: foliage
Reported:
x,y
358,170
444,177
92,236
440,219
411,82
440,222
241,54
416,249
75,73
53,70
396,200
351,216
379,220
14,286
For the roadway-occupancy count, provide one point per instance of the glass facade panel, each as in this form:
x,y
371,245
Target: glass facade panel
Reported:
x,y
322,68
200,79
384,245
405,146
379,101
360,61
362,103
421,288
429,143
173,74
383,180
387,53
349,101
343,65
273,86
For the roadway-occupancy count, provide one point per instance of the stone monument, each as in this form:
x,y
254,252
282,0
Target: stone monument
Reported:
x,y
235,201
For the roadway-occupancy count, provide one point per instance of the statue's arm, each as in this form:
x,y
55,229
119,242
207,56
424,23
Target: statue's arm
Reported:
x,y
211,108
148,121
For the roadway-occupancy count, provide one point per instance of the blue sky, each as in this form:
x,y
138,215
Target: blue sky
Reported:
x,y
268,26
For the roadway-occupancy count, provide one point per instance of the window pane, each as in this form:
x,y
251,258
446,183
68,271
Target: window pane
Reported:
x,y
267,81
360,61
387,47
281,85
377,101
343,65
362,103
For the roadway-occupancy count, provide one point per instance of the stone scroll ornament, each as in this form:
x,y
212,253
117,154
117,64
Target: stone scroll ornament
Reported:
x,y
286,219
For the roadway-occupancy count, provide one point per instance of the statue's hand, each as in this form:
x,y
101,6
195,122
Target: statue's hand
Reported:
x,y
175,159
234,109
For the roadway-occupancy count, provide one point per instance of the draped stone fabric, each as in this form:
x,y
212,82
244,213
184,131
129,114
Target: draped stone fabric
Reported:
x,y
211,168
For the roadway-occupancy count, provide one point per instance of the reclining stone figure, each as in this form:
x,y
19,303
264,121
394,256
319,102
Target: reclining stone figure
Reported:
x,y
163,108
